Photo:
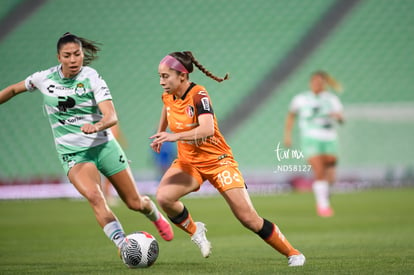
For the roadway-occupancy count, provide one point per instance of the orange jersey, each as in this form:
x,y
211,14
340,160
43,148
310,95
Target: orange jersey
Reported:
x,y
182,115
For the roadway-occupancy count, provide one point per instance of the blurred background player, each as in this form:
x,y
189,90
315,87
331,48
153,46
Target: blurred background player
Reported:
x,y
80,110
319,111
203,154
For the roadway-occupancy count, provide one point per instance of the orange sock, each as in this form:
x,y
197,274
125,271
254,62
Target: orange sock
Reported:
x,y
185,222
188,225
278,241
271,234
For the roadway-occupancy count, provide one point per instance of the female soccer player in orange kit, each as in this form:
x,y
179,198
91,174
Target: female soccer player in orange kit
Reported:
x,y
203,154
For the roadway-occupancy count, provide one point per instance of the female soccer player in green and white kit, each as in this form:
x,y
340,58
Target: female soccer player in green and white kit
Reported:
x,y
318,111
80,110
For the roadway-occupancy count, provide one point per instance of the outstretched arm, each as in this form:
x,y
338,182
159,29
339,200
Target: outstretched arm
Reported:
x,y
11,91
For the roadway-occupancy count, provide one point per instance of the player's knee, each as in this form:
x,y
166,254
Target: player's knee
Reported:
x,y
95,198
163,200
135,203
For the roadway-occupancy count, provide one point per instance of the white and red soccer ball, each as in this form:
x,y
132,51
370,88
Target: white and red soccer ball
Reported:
x,y
140,249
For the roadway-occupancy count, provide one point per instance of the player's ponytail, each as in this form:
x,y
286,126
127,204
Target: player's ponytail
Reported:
x,y
90,48
204,70
329,80
187,59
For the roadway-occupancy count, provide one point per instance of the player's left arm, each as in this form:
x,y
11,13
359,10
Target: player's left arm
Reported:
x,y
203,130
109,118
205,127
338,116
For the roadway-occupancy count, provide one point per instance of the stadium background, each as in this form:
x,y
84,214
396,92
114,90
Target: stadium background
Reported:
x,y
367,45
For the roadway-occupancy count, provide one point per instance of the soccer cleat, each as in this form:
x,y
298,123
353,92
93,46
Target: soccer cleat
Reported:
x,y
199,238
164,228
119,249
325,212
296,260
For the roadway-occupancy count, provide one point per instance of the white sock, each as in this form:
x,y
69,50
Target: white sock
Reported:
x,y
115,232
321,191
154,214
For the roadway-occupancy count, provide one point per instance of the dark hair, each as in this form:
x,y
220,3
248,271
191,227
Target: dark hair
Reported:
x,y
187,59
90,48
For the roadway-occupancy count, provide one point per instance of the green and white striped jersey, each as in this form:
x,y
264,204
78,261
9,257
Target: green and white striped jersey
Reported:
x,y
314,113
71,103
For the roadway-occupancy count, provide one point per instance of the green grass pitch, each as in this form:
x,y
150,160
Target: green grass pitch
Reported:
x,y
371,233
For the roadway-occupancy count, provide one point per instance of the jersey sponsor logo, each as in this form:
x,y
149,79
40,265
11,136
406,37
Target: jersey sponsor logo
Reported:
x,y
202,93
179,125
71,120
190,111
106,90
65,102
80,89
206,104
51,88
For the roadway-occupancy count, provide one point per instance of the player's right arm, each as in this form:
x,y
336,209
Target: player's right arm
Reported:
x,y
11,91
294,106
162,126
290,121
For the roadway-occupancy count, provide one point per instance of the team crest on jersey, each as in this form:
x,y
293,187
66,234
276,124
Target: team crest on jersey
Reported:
x,y
80,89
190,111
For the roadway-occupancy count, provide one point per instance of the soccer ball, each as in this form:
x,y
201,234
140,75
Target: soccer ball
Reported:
x,y
140,249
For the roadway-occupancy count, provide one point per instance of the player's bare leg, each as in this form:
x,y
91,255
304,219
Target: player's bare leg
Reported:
x,y
242,207
174,185
127,190
86,179
321,186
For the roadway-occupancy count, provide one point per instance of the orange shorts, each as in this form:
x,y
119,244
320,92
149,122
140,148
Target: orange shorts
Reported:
x,y
223,176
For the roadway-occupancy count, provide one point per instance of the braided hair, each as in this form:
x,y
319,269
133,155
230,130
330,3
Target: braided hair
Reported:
x,y
187,59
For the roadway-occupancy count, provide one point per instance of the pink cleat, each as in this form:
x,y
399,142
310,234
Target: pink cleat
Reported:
x,y
325,212
164,228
